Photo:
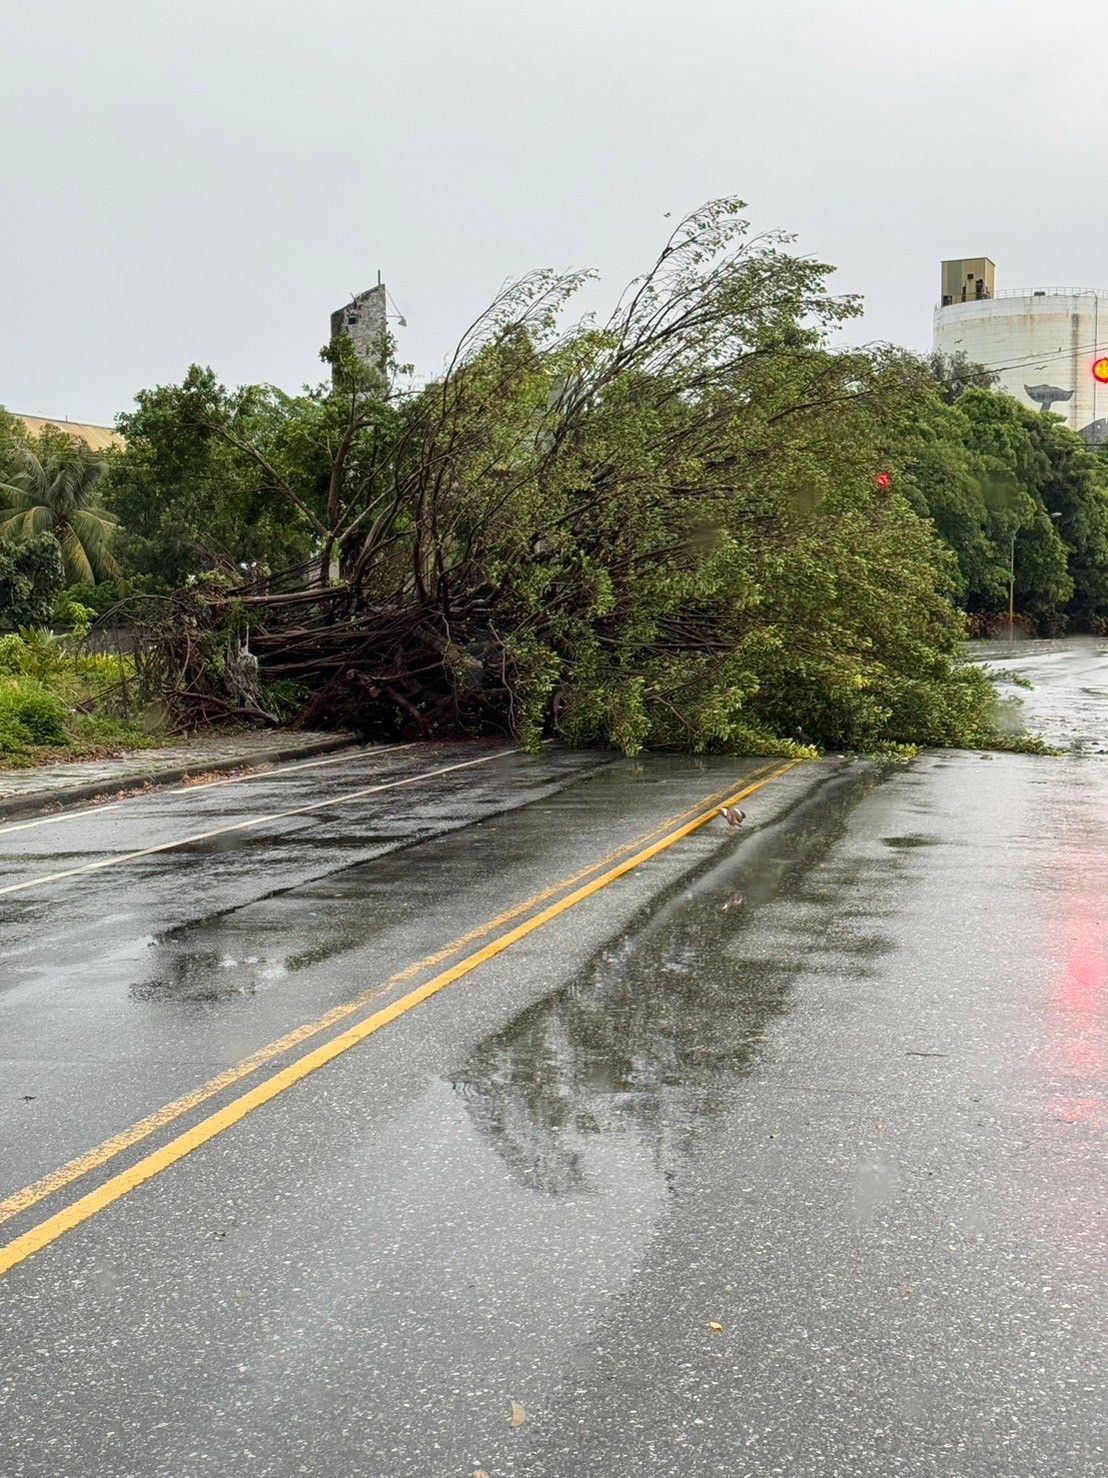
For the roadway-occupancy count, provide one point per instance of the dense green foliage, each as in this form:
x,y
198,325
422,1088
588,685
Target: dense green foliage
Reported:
x,y
1002,482
56,699
188,497
667,529
31,580
13,436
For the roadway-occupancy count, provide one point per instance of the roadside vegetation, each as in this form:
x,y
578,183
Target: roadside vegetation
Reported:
x,y
695,524
58,701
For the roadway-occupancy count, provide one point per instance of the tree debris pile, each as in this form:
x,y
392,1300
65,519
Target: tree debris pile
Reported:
x,y
664,529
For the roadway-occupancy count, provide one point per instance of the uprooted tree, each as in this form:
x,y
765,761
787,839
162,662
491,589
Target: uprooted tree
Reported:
x,y
663,529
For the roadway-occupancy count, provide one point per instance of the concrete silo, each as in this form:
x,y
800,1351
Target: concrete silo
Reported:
x,y
1041,342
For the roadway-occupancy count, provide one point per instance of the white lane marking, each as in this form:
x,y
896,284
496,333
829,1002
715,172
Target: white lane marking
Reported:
x,y
189,789
333,759
61,816
203,836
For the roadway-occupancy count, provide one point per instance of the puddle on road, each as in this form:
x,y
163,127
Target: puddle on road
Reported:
x,y
206,979
243,951
657,1032
248,949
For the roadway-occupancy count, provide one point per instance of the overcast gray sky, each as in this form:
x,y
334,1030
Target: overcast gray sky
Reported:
x,y
206,179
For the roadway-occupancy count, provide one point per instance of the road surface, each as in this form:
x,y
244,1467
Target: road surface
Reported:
x,y
439,1110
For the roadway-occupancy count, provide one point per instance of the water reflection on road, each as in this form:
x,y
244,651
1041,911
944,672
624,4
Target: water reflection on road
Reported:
x,y
655,1034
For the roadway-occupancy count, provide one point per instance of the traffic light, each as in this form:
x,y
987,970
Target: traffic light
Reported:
x,y
1100,370
883,480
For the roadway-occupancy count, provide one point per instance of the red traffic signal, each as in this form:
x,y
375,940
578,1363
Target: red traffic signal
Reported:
x,y
883,480
1100,370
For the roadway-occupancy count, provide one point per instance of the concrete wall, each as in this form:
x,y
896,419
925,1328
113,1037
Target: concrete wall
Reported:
x,y
1042,346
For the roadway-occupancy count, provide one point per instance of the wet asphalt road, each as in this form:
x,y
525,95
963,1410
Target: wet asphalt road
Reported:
x,y
835,1085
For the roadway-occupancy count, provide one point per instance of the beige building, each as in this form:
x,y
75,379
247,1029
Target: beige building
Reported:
x,y
96,438
967,280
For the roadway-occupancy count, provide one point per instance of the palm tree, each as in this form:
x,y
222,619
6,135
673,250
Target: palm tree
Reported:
x,y
57,494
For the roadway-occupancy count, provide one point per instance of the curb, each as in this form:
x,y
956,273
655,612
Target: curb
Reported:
x,y
43,801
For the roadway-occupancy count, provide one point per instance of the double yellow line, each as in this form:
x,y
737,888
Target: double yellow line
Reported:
x,y
152,1164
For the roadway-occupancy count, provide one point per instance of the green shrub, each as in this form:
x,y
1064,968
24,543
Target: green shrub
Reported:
x,y
12,655
44,654
43,716
72,614
30,714
14,739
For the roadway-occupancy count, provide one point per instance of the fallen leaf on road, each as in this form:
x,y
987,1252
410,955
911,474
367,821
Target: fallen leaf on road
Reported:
x,y
717,1327
519,1416
480,1473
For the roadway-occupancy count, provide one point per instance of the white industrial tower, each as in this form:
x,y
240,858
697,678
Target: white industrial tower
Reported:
x,y
1046,344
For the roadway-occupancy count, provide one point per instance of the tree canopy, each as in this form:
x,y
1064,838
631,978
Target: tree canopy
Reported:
x,y
31,579
988,471
188,497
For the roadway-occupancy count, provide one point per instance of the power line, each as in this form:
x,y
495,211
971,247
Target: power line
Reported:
x,y
1028,360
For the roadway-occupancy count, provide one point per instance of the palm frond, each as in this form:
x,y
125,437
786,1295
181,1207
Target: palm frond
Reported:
x,y
78,568
14,496
25,523
95,529
31,473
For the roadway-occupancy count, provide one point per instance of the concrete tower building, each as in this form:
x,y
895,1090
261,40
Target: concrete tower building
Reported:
x,y
1042,343
364,322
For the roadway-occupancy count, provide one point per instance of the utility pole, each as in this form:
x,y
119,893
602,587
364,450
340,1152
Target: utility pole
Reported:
x,y
1012,588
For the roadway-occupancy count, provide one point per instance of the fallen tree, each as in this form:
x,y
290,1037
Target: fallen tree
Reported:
x,y
663,529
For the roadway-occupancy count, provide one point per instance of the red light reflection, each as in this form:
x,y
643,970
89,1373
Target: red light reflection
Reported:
x,y
1079,1005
